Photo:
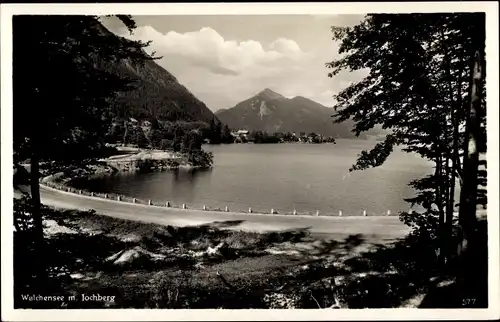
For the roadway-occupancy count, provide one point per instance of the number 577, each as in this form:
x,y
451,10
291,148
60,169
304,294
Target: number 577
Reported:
x,y
468,301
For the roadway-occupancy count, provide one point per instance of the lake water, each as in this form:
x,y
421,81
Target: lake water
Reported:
x,y
305,177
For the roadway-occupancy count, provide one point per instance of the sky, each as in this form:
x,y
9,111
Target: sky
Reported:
x,y
225,59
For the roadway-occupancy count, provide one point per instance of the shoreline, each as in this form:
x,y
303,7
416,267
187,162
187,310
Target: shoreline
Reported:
x,y
64,182
383,226
133,160
122,199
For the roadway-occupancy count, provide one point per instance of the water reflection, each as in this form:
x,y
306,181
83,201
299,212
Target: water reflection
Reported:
x,y
190,176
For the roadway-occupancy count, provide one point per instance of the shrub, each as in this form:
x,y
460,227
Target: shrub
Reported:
x,y
201,159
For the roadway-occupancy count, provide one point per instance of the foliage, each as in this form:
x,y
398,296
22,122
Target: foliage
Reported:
x,y
23,222
70,119
226,136
259,137
191,142
263,137
214,132
200,158
417,82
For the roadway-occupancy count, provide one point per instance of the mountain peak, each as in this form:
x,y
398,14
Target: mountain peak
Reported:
x,y
270,94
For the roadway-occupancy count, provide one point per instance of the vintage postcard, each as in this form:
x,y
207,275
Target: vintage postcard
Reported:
x,y
305,161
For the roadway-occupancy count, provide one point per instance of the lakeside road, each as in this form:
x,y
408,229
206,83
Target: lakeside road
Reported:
x,y
378,228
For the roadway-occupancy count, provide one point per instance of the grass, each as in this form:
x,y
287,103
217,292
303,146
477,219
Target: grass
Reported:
x,y
286,269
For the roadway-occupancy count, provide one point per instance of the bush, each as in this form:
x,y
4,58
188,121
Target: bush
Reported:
x,y
423,225
145,165
201,159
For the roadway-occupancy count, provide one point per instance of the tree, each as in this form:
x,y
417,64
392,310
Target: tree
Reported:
x,y
417,66
61,91
191,144
155,137
178,136
226,136
474,142
214,132
140,138
115,133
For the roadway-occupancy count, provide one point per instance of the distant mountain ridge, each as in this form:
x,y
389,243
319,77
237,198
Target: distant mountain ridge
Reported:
x,y
158,94
272,112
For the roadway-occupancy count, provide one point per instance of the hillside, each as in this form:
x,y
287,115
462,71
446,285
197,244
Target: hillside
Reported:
x,y
157,93
271,112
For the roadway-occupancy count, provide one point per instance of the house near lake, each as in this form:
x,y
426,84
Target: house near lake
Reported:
x,y
240,136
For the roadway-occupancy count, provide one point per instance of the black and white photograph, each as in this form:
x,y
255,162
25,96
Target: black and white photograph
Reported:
x,y
264,158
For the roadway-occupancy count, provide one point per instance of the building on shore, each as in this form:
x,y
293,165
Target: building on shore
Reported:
x,y
240,136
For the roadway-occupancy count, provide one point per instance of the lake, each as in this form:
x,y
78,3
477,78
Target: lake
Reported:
x,y
284,177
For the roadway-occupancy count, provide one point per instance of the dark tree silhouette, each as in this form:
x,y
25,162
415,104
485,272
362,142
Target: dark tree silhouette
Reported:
x,y
62,92
418,74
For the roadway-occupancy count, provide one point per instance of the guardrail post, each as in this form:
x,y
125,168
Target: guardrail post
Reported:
x,y
183,206
227,209
167,204
364,213
118,198
69,189
149,202
250,210
272,211
79,192
106,196
317,213
294,212
204,207
91,194
340,213
388,212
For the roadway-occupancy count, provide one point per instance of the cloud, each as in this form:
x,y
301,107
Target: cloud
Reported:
x,y
207,48
285,46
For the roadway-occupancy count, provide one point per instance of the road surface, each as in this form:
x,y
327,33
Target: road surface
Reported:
x,y
383,228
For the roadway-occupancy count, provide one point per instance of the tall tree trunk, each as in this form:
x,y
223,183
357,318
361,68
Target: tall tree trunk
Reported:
x,y
468,195
439,204
455,109
36,208
35,192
